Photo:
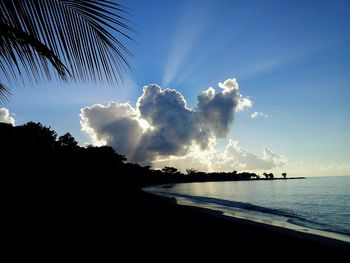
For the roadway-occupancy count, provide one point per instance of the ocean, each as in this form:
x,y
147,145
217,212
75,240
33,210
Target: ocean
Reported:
x,y
318,205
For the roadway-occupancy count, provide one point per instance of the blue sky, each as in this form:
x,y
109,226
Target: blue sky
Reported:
x,y
292,58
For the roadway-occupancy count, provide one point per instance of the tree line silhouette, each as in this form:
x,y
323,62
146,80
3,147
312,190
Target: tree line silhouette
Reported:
x,y
53,185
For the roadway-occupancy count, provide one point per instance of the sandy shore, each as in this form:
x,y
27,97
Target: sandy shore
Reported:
x,y
245,215
158,227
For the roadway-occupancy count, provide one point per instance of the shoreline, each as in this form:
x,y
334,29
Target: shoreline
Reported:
x,y
293,229
199,232
253,217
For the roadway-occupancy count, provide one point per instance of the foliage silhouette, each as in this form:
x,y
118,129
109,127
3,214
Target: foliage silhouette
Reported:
x,y
169,170
191,171
67,140
55,187
72,38
268,175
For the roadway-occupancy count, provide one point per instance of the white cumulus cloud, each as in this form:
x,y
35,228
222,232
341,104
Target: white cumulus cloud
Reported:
x,y
5,116
258,114
217,109
162,129
118,125
233,157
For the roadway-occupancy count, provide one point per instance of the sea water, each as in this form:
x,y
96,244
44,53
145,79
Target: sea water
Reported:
x,y
319,203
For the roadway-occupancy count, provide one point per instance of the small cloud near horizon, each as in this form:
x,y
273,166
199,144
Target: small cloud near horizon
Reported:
x,y
5,116
258,114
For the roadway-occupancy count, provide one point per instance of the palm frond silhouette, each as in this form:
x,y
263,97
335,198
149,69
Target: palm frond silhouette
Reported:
x,y
71,39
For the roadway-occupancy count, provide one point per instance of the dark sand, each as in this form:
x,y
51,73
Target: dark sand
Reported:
x,y
159,229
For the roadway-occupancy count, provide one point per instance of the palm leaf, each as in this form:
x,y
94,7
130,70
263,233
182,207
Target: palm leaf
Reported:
x,y
4,92
74,39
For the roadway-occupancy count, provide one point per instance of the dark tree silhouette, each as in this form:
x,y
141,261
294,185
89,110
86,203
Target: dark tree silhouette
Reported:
x,y
67,140
73,38
284,175
191,171
169,170
107,151
268,175
37,133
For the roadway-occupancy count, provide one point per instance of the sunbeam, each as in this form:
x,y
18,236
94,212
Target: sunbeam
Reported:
x,y
185,37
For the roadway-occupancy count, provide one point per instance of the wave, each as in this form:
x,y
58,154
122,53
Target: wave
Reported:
x,y
234,204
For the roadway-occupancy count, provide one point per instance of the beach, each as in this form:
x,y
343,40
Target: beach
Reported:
x,y
155,227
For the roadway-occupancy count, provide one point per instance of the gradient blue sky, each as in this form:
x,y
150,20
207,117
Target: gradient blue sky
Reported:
x,y
292,58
